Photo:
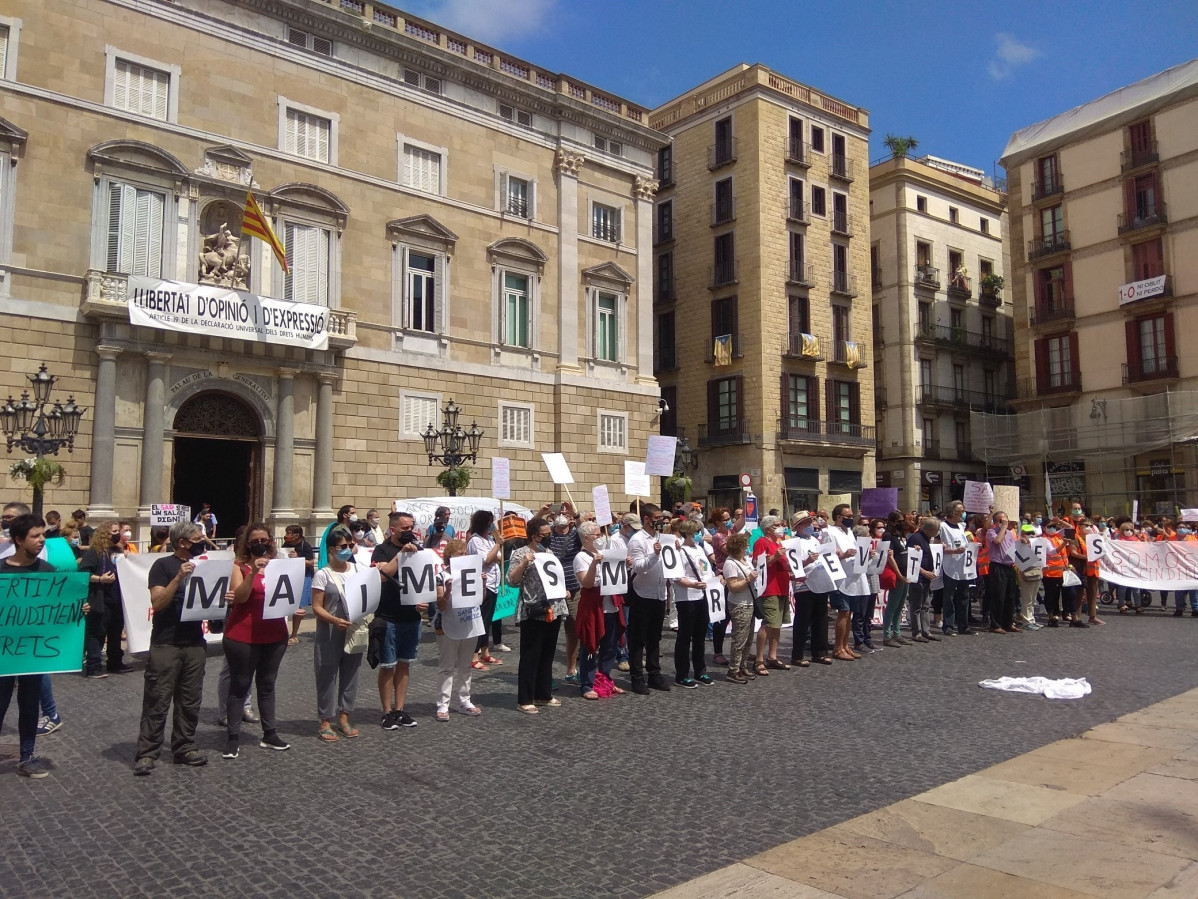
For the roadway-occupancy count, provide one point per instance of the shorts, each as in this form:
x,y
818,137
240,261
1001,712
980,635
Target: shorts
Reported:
x,y
401,639
306,596
572,604
775,611
839,602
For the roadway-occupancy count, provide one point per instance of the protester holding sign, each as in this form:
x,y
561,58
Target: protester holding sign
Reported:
x,y
175,672
956,586
690,600
1128,597
598,618
894,580
1030,581
811,602
336,670
480,541
1056,594
254,645
775,598
739,578
539,619
396,626
1002,589
919,589
646,603
853,593
458,629
106,620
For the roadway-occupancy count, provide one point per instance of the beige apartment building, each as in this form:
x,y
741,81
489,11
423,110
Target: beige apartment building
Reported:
x,y
459,224
762,258
942,331
1104,238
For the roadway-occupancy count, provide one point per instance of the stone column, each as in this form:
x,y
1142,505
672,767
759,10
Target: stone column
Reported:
x,y
284,445
322,473
153,431
568,290
643,192
103,435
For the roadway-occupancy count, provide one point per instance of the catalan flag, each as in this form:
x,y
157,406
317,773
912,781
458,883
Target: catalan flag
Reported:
x,y
722,350
257,224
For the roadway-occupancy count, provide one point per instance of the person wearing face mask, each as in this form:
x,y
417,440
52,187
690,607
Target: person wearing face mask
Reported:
x,y
1127,597
811,606
722,527
206,519
106,620
296,547
895,574
689,598
775,598
565,544
853,592
1003,586
69,531
440,531
598,619
919,590
1058,598
1086,570
956,587
374,531
646,603
621,538
539,620
254,646
1184,534
347,515
127,545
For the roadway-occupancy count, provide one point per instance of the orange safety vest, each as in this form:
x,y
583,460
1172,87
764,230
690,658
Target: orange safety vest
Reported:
x,y
1057,559
1091,567
983,554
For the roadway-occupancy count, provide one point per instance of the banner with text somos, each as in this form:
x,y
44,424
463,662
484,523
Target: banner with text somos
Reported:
x,y
220,312
41,622
1168,565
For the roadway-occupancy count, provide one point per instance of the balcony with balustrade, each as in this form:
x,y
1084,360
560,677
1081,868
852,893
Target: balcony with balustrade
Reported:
x,y
844,284
1049,186
927,276
811,430
1050,384
723,212
935,396
800,274
721,153
961,339
798,212
736,345
1048,245
1150,368
804,347
843,224
852,354
725,432
1144,218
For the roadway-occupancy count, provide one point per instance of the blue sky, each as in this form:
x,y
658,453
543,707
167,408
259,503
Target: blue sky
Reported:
x,y
960,77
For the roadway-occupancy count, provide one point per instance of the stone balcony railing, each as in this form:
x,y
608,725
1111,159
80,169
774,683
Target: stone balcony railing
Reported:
x,y
106,295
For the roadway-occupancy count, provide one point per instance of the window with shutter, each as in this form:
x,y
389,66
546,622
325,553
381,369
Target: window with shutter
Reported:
x,y
141,90
605,223
3,50
307,251
417,413
515,425
135,223
1148,260
308,135
422,169
613,432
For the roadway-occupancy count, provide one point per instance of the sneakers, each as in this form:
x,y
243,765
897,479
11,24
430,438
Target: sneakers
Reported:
x,y
919,638
390,721
705,680
33,768
1078,623
501,647
892,642
231,749
274,741
192,759
403,719
640,689
47,725
736,677
122,669
687,683
572,679
623,666
931,639
143,766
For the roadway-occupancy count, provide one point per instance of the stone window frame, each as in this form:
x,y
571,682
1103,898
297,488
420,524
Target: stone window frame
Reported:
x,y
13,25
402,140
620,218
524,258
304,204
12,148
174,72
334,120
532,424
607,278
600,446
502,174
422,234
404,396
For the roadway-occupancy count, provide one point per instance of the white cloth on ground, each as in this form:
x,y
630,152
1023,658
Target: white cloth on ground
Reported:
x,y
1062,688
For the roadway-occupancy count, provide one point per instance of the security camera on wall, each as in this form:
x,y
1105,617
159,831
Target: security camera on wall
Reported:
x,y
662,406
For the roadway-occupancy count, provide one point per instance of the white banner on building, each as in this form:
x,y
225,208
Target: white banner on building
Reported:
x,y
220,312
1168,565
1141,290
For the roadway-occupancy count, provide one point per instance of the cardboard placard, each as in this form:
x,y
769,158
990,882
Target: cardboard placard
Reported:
x,y
1006,499
636,482
559,471
553,576
501,477
512,525
979,496
43,622
660,457
467,575
284,582
829,501
363,589
166,514
878,502
613,572
602,504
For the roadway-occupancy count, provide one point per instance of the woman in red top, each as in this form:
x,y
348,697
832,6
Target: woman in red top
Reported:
x,y
254,646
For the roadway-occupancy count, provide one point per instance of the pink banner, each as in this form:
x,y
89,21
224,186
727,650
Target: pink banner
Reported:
x,y
1168,565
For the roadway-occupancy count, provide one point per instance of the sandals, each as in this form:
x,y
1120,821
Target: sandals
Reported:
x,y
844,657
616,691
761,670
824,660
326,735
803,663
549,703
470,711
491,660
479,666
347,730
441,715
528,709
292,641
590,694
776,665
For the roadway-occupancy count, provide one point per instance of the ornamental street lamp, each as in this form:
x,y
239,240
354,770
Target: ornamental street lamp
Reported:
x,y
40,429
685,457
457,446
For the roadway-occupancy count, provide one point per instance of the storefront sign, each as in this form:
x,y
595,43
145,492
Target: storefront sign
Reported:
x,y
1142,290
219,312
933,477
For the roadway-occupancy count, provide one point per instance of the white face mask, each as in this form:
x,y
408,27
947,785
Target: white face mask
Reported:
x,y
353,517
128,535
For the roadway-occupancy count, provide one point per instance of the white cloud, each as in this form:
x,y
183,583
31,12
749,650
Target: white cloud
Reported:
x,y
489,21
1011,52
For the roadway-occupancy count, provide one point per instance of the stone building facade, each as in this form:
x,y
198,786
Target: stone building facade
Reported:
x,y
942,330
466,225
762,261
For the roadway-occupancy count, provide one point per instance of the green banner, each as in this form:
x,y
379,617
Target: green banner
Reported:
x,y
505,605
41,622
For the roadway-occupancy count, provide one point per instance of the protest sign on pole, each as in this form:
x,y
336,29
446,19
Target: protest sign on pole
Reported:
x,y
204,591
468,588
42,622
284,583
613,572
713,593
1006,499
660,458
553,576
979,496
501,477
505,603
636,482
602,504
363,589
559,471
418,577
166,514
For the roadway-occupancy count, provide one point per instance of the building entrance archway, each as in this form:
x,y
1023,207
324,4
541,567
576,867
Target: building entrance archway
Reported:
x,y
218,459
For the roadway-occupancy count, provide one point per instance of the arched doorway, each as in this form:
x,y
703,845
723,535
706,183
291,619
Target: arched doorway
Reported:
x,y
218,459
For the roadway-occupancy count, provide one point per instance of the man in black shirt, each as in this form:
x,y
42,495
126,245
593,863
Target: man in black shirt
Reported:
x,y
296,547
26,532
177,654
399,624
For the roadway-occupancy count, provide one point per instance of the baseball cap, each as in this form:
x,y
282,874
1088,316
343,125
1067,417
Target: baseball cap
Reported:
x,y
631,521
1027,529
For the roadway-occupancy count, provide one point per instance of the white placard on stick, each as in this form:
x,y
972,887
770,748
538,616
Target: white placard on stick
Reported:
x,y
1189,514
553,576
363,590
418,577
204,592
795,554
914,563
979,496
559,471
468,588
660,458
602,505
713,593
636,482
673,564
501,477
613,572
284,582
166,514
970,561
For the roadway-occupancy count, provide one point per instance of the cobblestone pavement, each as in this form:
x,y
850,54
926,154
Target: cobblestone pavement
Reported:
x,y
622,797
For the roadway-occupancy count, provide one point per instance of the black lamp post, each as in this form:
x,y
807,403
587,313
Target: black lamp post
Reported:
x,y
685,457
457,445
38,428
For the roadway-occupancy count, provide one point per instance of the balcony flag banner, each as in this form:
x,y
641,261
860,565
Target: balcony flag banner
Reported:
x,y
255,223
852,354
722,350
810,346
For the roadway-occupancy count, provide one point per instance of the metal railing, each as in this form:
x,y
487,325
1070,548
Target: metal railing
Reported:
x,y
931,449
1148,217
725,433
1134,158
990,296
1062,382
665,358
721,274
853,353
959,286
809,347
1044,312
813,430
801,273
960,337
737,343
798,211
958,398
1056,242
1047,187
1155,368
927,276
842,167
844,283
797,152
721,153
842,223
663,291
723,211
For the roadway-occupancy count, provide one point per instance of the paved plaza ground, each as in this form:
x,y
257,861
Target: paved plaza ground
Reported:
x,y
623,797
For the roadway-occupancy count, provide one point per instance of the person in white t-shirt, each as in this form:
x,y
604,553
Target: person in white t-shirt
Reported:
x,y
598,619
739,576
690,601
458,631
952,570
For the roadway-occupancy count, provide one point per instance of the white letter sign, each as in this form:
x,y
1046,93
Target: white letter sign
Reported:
x,y
914,563
204,592
971,561
672,565
795,555
467,574
937,559
418,577
553,576
363,588
613,572
1096,547
284,587
713,592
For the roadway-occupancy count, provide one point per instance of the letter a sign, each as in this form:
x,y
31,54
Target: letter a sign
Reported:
x,y
284,587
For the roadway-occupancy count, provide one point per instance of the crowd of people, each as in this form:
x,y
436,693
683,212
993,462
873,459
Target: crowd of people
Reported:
x,y
605,632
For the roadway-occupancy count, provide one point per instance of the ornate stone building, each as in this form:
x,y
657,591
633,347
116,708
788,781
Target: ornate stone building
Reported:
x,y
458,224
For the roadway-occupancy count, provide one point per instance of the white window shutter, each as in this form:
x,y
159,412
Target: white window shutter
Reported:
x,y
322,139
3,51
291,139
532,199
128,228
113,262
120,93
504,199
405,280
440,326
153,229
162,86
289,255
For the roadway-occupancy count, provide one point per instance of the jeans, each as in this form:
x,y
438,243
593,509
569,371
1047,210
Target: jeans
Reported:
x,y
1180,597
811,622
862,620
175,674
604,656
917,607
1128,596
538,644
253,663
645,619
1057,596
456,657
956,605
336,672
892,617
49,706
29,695
1004,595
690,644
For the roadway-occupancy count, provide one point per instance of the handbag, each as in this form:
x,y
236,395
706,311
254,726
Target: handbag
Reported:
x,y
357,635
887,580
1070,579
751,577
